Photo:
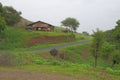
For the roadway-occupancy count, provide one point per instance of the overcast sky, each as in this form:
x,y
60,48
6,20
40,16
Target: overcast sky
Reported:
x,y
91,14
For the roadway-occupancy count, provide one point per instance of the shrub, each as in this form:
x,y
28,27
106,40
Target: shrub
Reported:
x,y
53,52
115,72
62,55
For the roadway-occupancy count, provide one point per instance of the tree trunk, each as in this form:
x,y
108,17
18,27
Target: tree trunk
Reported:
x,y
95,61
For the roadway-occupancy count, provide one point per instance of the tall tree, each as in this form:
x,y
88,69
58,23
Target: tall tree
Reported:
x,y
71,23
11,15
113,37
97,45
116,34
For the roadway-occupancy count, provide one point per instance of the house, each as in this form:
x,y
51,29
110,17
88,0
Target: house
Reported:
x,y
40,26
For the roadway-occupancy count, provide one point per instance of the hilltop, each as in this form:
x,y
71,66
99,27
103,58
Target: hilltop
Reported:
x,y
22,23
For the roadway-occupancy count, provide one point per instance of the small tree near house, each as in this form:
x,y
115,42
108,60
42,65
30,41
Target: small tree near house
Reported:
x,y
71,23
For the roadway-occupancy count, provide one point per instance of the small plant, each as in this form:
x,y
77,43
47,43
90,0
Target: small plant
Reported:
x,y
62,56
53,52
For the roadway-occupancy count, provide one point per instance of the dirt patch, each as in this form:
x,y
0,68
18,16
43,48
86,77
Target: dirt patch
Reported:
x,y
33,75
48,39
6,59
85,54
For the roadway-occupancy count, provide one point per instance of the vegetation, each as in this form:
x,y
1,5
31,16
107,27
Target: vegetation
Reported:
x,y
115,57
97,44
13,42
71,23
53,52
74,64
113,38
2,24
77,61
10,15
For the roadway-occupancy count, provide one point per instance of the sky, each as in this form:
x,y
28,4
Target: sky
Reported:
x,y
91,14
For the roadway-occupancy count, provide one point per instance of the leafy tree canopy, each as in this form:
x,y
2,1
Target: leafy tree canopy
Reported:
x,y
10,15
71,23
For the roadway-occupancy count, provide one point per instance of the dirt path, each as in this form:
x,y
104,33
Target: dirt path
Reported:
x,y
32,75
58,47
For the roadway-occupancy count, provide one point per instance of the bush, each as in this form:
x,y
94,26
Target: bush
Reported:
x,y
62,55
54,52
115,72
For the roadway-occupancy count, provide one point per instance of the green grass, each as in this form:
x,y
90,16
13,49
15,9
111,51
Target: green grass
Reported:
x,y
84,72
75,66
80,36
17,39
59,29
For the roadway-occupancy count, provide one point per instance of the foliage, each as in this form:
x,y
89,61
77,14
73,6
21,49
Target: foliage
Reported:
x,y
97,44
2,24
10,15
113,36
85,33
117,34
115,72
53,52
71,23
107,49
1,9
115,57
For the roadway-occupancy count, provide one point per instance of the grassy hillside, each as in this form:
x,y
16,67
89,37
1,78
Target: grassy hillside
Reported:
x,y
59,29
78,63
16,38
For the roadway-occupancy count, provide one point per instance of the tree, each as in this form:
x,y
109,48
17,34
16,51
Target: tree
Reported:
x,y
116,34
11,15
97,44
0,9
85,33
2,24
113,49
118,23
71,23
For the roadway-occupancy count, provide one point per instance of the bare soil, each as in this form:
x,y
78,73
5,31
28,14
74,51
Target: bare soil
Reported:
x,y
85,54
33,75
48,39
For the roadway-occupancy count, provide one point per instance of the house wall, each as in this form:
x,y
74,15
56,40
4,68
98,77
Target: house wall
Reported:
x,y
44,27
